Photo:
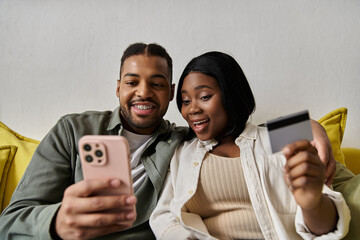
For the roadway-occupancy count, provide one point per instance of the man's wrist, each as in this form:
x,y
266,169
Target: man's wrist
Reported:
x,y
53,232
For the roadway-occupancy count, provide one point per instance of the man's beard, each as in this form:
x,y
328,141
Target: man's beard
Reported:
x,y
142,123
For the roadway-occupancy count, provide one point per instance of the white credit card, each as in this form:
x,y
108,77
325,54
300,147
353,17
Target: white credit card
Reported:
x,y
288,129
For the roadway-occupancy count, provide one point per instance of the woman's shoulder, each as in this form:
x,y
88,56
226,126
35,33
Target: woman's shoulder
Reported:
x,y
254,132
188,145
258,134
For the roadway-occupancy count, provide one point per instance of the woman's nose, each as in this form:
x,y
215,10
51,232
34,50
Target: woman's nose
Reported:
x,y
194,108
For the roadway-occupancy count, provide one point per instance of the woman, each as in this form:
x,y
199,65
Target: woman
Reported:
x,y
224,185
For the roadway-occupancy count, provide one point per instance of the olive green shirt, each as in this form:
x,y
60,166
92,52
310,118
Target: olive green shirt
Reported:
x,y
55,166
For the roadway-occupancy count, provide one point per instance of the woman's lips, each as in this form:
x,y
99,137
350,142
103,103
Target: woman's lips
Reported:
x,y
199,125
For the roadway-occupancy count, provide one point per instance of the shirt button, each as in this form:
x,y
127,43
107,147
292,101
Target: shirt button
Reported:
x,y
191,192
195,163
169,141
178,219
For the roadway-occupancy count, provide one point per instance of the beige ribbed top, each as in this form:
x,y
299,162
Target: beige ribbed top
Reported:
x,y
222,200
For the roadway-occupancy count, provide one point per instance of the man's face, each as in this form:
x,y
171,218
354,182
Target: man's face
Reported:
x,y
144,92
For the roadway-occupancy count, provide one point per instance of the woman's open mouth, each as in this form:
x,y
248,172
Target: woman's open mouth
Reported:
x,y
198,126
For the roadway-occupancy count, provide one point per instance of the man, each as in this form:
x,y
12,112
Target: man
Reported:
x,y
53,201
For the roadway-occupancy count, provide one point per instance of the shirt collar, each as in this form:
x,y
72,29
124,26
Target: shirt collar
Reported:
x,y
115,120
249,133
208,144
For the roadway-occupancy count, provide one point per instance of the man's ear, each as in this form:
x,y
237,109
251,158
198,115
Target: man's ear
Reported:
x,y
172,91
118,88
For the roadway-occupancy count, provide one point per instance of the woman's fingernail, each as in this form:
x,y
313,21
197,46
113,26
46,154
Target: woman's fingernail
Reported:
x,y
286,151
287,180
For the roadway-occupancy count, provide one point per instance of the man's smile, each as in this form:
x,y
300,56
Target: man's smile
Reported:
x,y
143,108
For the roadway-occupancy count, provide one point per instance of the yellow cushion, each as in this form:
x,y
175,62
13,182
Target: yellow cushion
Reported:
x,y
334,124
352,159
25,149
7,154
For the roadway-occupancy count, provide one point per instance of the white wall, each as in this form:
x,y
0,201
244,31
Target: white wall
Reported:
x,y
58,57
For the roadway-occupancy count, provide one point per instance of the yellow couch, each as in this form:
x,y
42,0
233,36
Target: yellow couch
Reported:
x,y
352,159
15,154
16,151
334,124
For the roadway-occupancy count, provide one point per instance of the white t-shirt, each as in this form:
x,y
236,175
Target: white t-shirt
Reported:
x,y
137,145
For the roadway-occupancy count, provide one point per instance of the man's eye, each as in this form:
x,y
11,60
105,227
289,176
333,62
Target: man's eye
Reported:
x,y
158,84
130,83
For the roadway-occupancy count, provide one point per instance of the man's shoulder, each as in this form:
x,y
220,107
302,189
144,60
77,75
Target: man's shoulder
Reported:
x,y
90,114
88,122
183,131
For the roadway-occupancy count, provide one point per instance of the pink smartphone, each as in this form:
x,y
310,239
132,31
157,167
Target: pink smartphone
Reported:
x,y
104,157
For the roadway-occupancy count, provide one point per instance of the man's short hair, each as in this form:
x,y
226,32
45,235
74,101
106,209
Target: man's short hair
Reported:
x,y
151,49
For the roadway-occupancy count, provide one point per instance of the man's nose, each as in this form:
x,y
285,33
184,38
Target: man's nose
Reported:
x,y
144,90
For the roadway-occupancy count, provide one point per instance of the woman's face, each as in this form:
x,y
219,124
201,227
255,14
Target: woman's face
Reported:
x,y
202,106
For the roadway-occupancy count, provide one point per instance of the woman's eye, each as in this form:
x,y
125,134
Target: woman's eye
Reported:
x,y
131,83
205,98
185,102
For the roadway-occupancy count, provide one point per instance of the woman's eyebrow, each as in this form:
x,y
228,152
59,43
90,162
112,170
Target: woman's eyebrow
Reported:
x,y
202,86
198,87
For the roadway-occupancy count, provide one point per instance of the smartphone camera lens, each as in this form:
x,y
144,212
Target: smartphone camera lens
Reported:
x,y
89,158
87,147
98,153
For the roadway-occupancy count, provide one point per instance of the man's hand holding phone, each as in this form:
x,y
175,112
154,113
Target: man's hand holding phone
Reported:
x,y
84,216
103,202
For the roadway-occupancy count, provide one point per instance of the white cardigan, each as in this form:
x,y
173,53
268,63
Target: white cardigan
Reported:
x,y
275,208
